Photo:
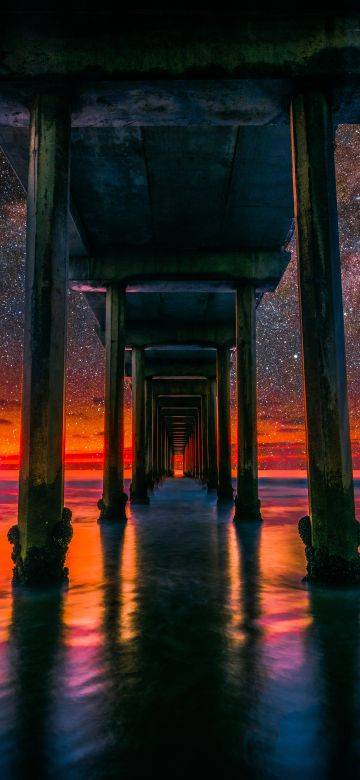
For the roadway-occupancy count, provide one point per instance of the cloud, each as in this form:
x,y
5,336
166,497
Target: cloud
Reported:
x,y
4,421
80,436
293,428
98,400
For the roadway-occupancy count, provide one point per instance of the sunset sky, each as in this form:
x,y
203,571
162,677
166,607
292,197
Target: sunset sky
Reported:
x,y
280,399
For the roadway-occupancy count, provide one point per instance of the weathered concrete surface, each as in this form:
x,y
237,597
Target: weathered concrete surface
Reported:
x,y
225,490
179,387
179,404
122,180
121,183
138,484
334,537
191,44
180,362
42,431
149,433
204,440
247,505
155,439
263,268
180,333
114,498
212,451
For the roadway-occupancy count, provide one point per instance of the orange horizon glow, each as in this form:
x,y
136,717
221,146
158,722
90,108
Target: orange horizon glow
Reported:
x,y
281,446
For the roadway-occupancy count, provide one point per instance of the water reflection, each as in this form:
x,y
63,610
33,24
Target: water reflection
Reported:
x,y
184,644
36,636
244,666
333,645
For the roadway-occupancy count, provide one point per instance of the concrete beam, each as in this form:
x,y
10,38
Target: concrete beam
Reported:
x,y
141,335
136,267
173,46
150,334
155,369
173,388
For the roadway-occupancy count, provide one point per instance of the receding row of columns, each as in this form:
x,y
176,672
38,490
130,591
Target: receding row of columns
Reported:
x,y
41,537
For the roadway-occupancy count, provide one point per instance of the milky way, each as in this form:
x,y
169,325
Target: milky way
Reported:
x,y
280,399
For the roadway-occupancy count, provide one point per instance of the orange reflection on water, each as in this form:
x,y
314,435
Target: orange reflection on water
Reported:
x,y
128,578
8,516
235,611
82,609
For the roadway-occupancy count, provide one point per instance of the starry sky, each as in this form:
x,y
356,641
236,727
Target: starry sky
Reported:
x,y
280,397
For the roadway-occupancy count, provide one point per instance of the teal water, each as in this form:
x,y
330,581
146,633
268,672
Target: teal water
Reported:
x,y
182,647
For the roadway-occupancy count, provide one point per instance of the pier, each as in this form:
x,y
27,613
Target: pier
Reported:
x,y
164,172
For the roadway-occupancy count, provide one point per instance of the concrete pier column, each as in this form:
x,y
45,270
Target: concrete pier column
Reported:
x,y
161,450
155,441
43,533
199,429
138,485
192,454
225,490
212,452
149,434
185,459
204,439
166,453
197,447
331,534
247,504
112,504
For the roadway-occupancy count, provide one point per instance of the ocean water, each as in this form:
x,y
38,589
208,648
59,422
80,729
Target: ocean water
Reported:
x,y
182,646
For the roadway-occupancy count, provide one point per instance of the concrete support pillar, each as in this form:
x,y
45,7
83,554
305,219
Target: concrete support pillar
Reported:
x,y
225,490
191,454
155,441
204,439
331,534
112,504
247,504
199,431
187,456
212,452
166,452
149,434
172,461
197,447
161,450
138,486
43,533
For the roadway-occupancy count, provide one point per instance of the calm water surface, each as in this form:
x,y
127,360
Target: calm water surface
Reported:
x,y
182,646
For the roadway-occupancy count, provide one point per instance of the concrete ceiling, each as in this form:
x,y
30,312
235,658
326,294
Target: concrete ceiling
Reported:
x,y
161,316
216,187
221,188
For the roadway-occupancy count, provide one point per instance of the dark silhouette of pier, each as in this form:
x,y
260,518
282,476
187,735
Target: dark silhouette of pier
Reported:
x,y
164,161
